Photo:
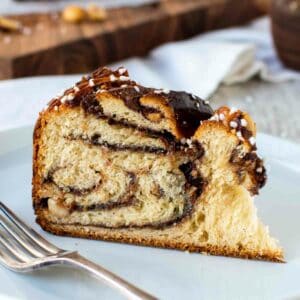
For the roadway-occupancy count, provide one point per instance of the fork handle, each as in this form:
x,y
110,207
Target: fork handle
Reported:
x,y
127,289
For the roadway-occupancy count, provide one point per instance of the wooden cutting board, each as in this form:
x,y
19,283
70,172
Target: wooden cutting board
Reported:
x,y
51,46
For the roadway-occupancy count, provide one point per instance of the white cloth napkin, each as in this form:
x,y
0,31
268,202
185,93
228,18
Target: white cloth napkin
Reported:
x,y
201,64
198,65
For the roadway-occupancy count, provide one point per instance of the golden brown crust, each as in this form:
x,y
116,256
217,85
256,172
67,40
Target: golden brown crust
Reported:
x,y
237,122
35,168
122,236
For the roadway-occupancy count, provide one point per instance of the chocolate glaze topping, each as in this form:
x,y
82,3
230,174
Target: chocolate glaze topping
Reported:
x,y
189,110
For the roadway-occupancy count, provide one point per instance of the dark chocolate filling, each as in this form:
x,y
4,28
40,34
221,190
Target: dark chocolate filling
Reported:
x,y
246,133
250,162
168,139
82,192
124,201
193,181
188,208
192,176
260,177
94,140
69,189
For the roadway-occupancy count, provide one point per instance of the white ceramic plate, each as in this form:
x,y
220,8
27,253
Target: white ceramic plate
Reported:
x,y
168,274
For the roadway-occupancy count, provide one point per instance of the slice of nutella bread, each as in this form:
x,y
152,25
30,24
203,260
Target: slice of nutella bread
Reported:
x,y
116,161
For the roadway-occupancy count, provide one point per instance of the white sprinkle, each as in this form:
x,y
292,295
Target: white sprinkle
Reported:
x,y
70,97
239,135
206,102
101,91
124,85
198,104
183,141
137,88
252,140
27,31
166,91
122,71
56,108
157,92
244,122
214,118
59,95
233,110
76,89
233,124
7,40
222,117
91,82
194,97
259,170
124,78
64,99
112,77
189,142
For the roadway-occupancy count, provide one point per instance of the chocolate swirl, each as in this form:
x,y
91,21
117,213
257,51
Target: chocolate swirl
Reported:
x,y
188,109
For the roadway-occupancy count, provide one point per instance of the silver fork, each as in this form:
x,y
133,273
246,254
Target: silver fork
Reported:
x,y
23,250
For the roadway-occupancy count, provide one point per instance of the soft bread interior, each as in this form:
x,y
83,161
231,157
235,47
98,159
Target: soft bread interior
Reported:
x,y
76,124
103,186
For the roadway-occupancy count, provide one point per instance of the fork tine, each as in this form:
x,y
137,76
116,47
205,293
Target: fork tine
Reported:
x,y
29,232
14,249
6,258
21,238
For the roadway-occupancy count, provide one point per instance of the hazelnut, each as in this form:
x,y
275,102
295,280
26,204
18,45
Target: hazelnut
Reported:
x,y
57,208
9,24
74,14
96,13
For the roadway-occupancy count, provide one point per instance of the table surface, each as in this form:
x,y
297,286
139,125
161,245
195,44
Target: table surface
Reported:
x,y
275,107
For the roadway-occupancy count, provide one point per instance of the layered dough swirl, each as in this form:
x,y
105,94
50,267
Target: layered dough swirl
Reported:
x,y
117,161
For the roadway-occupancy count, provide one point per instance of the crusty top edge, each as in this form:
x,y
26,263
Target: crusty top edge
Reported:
x,y
238,123
187,109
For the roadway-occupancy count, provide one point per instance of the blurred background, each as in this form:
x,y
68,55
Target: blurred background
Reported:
x,y
241,53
